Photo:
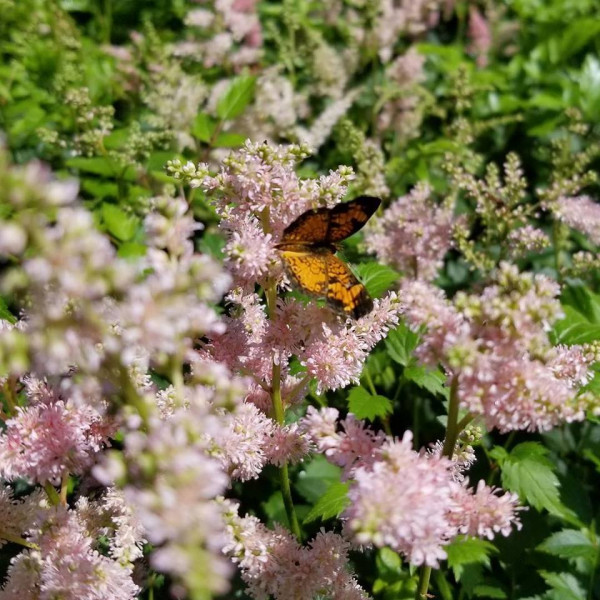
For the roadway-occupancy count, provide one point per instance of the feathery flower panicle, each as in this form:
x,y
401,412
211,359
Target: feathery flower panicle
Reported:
x,y
403,17
581,213
526,239
52,436
415,503
17,515
485,512
257,194
354,445
229,32
67,565
496,344
320,129
413,234
274,564
480,35
174,498
115,520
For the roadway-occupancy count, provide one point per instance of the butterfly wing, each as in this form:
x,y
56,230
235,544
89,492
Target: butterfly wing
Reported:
x,y
318,272
346,219
344,292
307,268
330,225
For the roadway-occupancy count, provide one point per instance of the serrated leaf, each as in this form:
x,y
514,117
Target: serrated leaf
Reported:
x,y
401,343
566,584
118,223
237,96
376,278
204,127
574,329
569,543
331,504
467,550
528,472
432,381
365,405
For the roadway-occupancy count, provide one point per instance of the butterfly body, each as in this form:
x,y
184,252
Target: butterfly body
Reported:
x,y
308,247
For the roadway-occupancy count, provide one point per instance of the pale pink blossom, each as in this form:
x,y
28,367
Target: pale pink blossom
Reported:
x,y
52,436
526,239
581,213
480,35
496,345
355,444
413,234
274,564
67,564
485,512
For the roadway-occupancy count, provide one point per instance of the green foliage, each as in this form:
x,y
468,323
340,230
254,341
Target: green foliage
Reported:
x,y
368,406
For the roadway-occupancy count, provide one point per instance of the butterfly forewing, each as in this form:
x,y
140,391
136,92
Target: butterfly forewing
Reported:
x,y
325,226
347,219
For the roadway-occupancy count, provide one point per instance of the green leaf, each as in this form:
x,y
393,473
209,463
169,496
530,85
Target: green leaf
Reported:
x,y
564,583
213,244
367,406
528,472
229,140
432,381
237,96
583,300
376,278
118,223
574,328
569,543
467,550
331,504
98,165
488,591
401,343
204,127
5,314
313,481
131,250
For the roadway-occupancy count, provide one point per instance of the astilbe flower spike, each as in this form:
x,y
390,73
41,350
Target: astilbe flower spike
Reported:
x,y
412,502
496,344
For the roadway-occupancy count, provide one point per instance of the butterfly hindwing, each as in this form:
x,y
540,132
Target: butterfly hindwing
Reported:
x,y
307,268
344,292
331,225
319,272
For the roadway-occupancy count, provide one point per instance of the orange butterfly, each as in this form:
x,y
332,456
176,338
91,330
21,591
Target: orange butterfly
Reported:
x,y
307,248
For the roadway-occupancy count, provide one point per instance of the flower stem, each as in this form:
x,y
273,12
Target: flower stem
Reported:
x,y
64,488
52,494
15,539
279,414
452,431
423,586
